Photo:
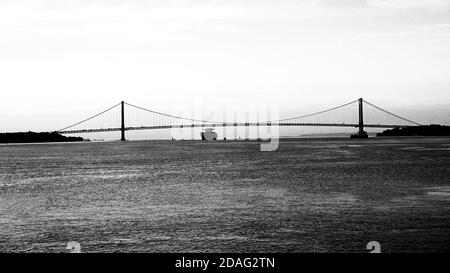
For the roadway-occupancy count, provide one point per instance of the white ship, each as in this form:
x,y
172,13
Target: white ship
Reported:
x,y
209,134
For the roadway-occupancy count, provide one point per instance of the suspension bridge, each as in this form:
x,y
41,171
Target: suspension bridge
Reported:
x,y
128,117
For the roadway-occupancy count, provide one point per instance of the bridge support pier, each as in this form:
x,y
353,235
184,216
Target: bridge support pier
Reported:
x,y
122,127
361,133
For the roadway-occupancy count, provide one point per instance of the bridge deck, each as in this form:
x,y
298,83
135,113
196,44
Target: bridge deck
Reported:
x,y
227,124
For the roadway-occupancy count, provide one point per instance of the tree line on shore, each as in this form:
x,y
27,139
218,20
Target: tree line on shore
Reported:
x,y
423,130
30,137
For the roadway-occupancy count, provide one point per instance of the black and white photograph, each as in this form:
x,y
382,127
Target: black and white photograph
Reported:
x,y
225,126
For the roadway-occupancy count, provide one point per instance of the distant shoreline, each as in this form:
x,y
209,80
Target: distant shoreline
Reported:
x,y
281,139
36,137
423,130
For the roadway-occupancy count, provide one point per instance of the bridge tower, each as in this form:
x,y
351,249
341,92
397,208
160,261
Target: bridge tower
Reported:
x,y
122,127
361,133
361,118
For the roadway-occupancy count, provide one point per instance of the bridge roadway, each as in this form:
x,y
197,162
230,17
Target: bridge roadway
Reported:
x,y
227,124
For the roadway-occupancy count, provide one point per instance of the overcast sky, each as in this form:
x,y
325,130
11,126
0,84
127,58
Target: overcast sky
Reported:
x,y
63,60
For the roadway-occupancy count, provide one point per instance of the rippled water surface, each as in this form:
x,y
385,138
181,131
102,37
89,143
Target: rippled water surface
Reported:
x,y
163,196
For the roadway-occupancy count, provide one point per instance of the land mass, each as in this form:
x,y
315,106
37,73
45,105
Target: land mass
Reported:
x,y
424,130
30,137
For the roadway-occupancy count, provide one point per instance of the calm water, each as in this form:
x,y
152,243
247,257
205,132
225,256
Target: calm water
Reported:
x,y
162,196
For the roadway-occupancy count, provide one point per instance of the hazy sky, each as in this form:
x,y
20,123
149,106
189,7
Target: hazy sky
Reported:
x,y
63,60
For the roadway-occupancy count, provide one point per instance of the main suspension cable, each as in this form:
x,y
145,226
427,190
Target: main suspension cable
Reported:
x,y
320,112
89,118
167,115
390,113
